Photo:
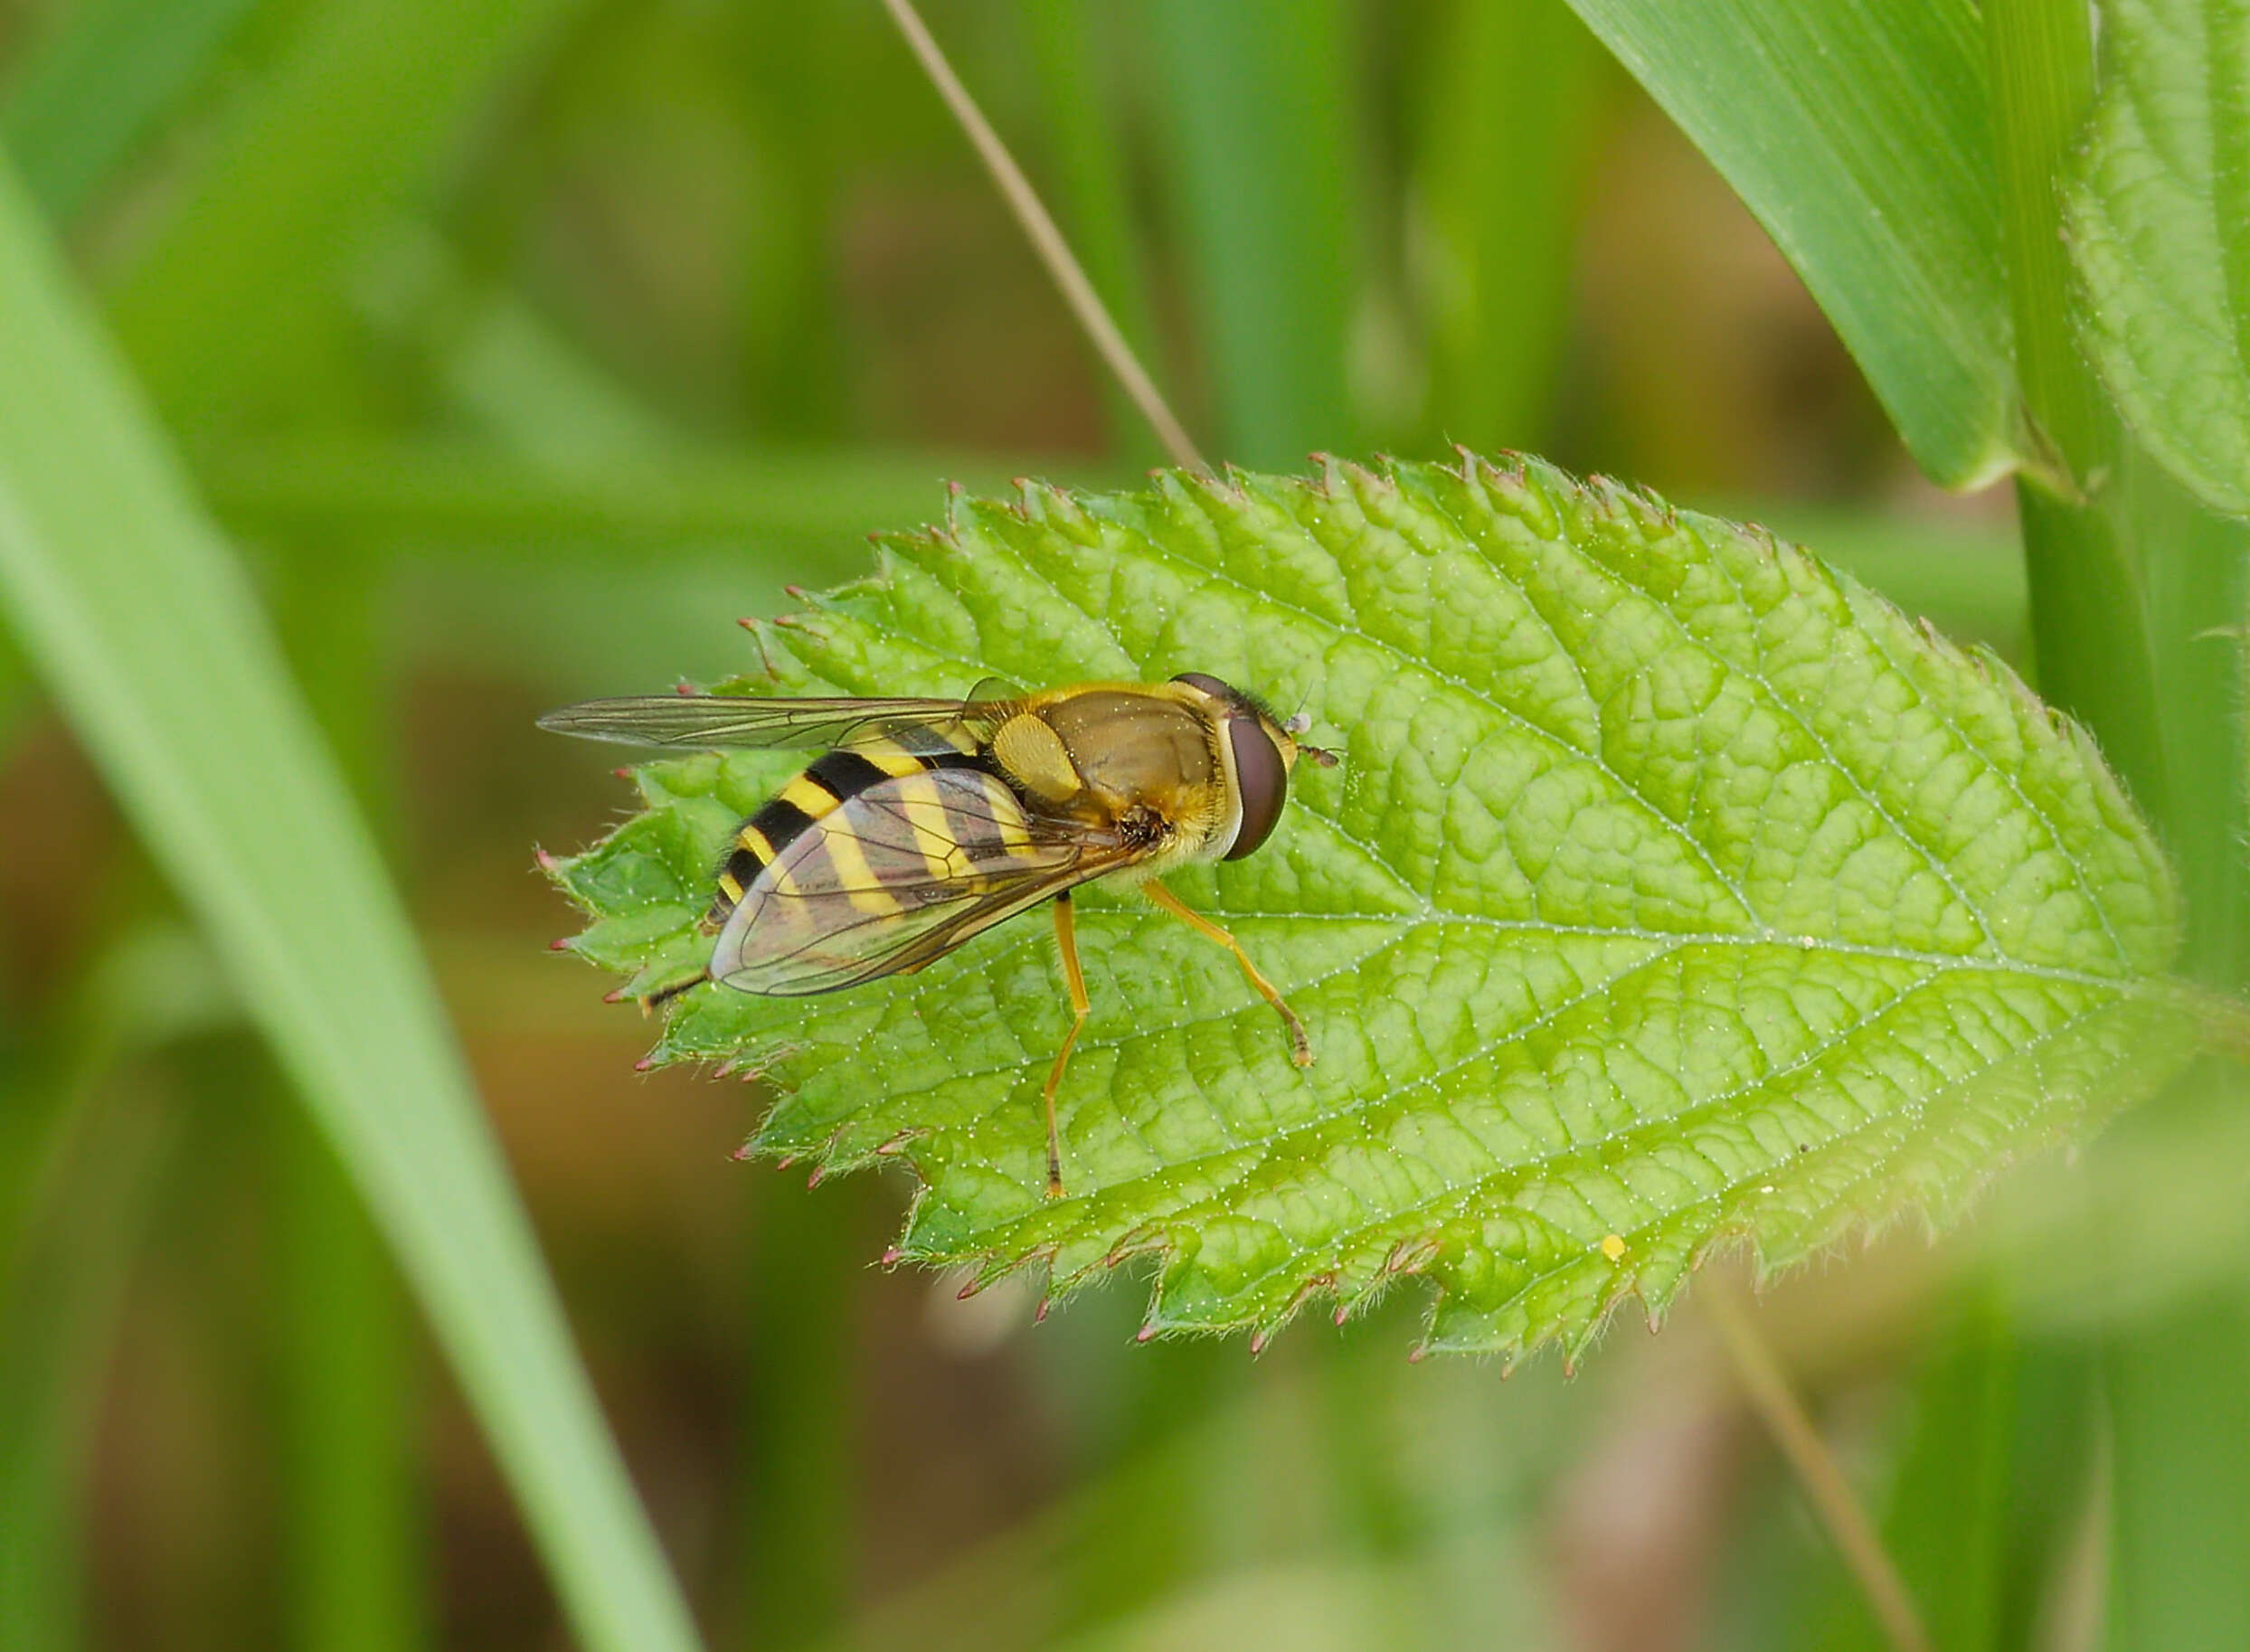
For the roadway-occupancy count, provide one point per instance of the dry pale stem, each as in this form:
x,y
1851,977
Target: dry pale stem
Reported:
x,y
1816,1471
1047,240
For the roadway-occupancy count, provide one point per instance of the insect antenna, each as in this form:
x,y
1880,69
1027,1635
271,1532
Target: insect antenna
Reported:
x,y
1299,721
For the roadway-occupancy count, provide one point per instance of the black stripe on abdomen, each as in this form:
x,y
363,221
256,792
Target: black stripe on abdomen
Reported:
x,y
778,822
846,774
757,842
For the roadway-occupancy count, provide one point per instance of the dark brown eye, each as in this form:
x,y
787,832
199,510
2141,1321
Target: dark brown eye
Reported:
x,y
1263,778
1210,685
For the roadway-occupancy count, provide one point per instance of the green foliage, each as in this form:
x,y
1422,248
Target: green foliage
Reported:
x,y
1672,888
1514,89
2159,220
237,306
1258,115
142,628
1859,132
87,100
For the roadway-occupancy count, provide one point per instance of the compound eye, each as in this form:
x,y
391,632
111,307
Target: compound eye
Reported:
x,y
1263,778
1209,685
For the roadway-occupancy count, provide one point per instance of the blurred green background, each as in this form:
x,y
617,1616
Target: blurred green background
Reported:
x,y
518,348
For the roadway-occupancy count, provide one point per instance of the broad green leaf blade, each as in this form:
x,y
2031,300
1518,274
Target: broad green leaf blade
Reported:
x,y
1860,133
1672,888
2159,230
131,609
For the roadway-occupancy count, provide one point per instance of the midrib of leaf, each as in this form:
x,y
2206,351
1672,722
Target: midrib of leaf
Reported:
x,y
1376,915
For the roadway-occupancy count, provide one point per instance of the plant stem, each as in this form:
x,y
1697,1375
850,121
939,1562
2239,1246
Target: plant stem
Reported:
x,y
1047,241
2089,615
2138,604
1818,1472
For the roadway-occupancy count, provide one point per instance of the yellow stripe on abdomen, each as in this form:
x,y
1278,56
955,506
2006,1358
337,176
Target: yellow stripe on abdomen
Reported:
x,y
924,808
808,797
854,878
891,757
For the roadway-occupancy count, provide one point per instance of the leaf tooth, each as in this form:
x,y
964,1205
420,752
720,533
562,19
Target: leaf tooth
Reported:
x,y
1057,508
1365,479
1515,490
1413,1254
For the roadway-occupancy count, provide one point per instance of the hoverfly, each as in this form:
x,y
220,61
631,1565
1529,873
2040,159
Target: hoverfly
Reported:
x,y
926,822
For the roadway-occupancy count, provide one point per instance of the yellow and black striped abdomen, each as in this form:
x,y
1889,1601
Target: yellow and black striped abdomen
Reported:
x,y
824,786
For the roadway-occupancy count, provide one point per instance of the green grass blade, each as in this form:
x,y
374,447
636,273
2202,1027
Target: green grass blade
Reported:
x,y
452,494
60,1295
80,1160
1257,111
142,628
237,304
1944,1521
1506,120
77,109
1860,133
354,1558
798,1502
1085,151
2179,1410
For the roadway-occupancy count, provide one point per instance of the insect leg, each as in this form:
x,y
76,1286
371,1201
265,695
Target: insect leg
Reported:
x,y
1299,1046
665,995
1066,941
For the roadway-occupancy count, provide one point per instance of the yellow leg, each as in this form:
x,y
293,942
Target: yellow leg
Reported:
x,y
1299,1046
1066,941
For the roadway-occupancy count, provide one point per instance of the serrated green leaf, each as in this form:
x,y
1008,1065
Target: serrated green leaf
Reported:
x,y
2158,230
1672,888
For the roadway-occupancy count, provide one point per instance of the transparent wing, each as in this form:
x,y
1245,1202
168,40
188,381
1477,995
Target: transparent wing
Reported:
x,y
899,875
707,722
